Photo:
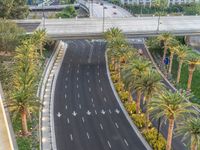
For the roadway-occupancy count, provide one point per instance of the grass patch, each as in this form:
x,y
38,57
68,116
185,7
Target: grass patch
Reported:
x,y
184,78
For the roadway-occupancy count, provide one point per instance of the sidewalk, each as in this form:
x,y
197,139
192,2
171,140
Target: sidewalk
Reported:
x,y
6,142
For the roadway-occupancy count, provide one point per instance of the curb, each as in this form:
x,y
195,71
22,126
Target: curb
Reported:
x,y
145,143
47,140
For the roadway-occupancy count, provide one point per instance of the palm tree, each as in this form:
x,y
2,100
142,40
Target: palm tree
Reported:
x,y
190,129
39,38
166,38
23,99
170,106
172,47
149,84
193,60
182,51
113,33
131,72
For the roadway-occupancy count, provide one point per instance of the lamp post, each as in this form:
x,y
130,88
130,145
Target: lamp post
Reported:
x,y
103,17
43,15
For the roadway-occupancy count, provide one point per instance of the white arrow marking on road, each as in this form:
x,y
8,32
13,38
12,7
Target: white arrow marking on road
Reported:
x,y
103,112
74,113
117,111
126,142
88,112
101,126
59,114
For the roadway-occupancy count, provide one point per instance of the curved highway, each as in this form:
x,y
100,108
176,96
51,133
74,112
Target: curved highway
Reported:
x,y
87,116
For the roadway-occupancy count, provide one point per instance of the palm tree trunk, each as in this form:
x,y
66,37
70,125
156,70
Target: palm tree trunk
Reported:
x,y
130,96
191,71
119,70
138,102
170,133
24,122
171,62
193,146
147,114
179,71
164,54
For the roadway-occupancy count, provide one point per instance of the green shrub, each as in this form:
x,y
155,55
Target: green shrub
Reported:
x,y
123,96
130,107
119,86
151,137
139,120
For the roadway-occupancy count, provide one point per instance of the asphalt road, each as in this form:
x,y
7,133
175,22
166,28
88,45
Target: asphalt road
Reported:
x,y
87,115
177,144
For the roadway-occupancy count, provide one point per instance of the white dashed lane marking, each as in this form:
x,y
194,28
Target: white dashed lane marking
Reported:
x,y
65,96
88,136
68,120
116,125
83,119
71,137
101,126
109,144
126,142
104,99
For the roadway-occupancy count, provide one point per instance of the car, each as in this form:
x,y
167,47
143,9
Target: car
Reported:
x,y
101,3
114,6
105,7
114,13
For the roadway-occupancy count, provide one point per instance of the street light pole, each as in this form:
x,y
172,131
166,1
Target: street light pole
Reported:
x,y
43,16
103,17
158,26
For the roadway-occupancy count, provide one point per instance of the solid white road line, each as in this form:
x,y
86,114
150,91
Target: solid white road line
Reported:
x,y
88,136
109,144
101,126
126,142
116,125
71,137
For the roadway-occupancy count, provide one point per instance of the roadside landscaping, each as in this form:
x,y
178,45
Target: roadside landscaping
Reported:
x,y
181,50
131,72
20,72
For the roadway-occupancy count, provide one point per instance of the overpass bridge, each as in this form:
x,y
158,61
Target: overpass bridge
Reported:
x,y
51,7
132,26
